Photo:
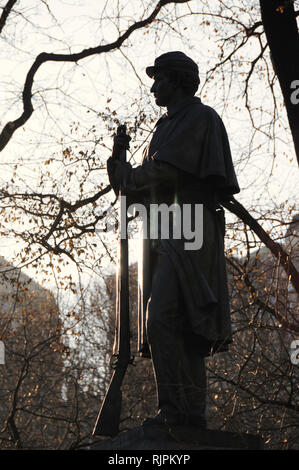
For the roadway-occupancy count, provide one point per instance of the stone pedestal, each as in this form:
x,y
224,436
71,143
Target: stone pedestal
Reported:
x,y
179,438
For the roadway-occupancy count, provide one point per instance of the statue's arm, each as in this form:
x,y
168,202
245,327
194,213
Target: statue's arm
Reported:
x,y
138,182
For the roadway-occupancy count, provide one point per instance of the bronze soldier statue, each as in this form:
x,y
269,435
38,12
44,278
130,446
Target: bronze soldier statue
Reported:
x,y
184,313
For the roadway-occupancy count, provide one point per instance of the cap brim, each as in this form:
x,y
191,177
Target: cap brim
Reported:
x,y
150,71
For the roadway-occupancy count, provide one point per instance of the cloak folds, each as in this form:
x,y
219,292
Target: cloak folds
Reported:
x,y
202,278
193,139
187,161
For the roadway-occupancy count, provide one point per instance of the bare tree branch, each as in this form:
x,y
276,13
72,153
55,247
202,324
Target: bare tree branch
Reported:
x,y
292,327
276,249
43,57
6,11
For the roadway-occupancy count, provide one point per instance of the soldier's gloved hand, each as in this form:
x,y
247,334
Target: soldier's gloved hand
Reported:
x,y
120,142
119,174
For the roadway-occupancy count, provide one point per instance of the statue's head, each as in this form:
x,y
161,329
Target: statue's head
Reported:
x,y
179,74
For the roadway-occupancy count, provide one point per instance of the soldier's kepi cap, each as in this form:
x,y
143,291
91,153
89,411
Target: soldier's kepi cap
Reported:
x,y
175,60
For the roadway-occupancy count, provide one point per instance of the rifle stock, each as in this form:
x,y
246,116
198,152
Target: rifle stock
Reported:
x,y
107,423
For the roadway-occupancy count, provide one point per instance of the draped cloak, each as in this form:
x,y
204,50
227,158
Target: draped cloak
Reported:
x,y
191,144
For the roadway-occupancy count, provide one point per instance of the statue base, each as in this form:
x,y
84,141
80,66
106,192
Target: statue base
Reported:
x,y
177,438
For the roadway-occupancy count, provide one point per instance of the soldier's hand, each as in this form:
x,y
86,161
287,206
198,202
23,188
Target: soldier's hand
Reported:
x,y
121,142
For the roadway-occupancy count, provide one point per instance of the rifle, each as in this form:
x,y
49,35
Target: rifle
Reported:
x,y
107,423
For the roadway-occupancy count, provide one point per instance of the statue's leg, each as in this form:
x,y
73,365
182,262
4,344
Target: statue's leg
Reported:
x,y
180,375
194,378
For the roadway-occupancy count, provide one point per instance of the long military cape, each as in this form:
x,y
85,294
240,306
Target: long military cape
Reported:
x,y
194,140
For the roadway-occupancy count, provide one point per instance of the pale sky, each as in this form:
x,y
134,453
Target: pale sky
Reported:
x,y
76,93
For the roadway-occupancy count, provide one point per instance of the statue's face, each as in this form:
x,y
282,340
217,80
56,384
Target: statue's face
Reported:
x,y
163,89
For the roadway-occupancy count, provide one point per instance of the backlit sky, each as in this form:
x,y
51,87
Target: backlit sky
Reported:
x,y
66,93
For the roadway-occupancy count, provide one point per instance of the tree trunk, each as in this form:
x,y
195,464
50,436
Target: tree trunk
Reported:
x,y
280,25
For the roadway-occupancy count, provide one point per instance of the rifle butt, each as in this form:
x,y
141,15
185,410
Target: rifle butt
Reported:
x,y
107,423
